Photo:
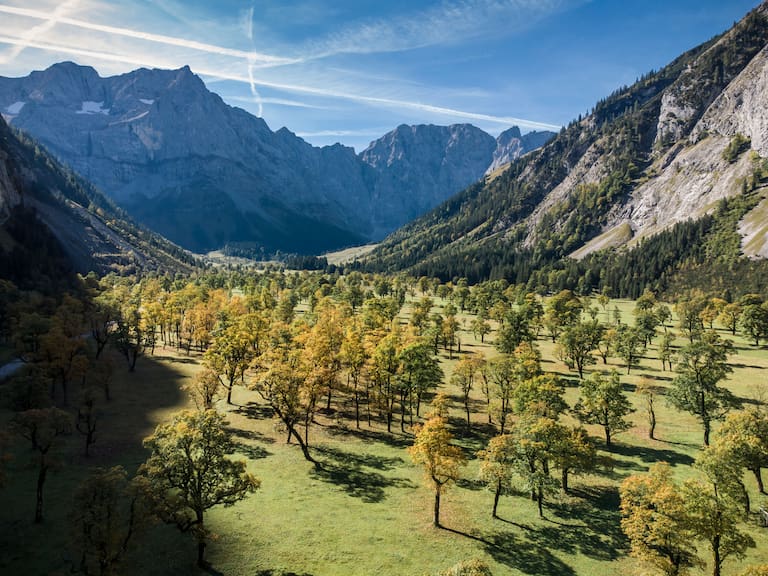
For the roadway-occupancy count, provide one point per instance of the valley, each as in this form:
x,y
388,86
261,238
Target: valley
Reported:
x,y
361,503
453,352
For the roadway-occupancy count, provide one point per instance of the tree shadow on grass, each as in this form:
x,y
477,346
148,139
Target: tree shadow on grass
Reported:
x,y
280,573
252,452
651,455
357,474
255,411
470,484
587,525
525,555
394,440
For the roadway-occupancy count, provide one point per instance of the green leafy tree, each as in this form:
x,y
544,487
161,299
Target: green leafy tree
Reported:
x,y
230,354
563,309
655,520
536,440
480,327
441,460
496,466
627,344
730,316
464,374
419,372
577,342
575,453
354,355
541,395
648,391
515,330
754,322
689,311
189,472
701,365
107,514
602,401
665,350
714,516
745,434
283,385
44,428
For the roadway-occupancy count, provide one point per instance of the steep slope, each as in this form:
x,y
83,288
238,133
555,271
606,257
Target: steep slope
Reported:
x,y
53,223
649,156
205,174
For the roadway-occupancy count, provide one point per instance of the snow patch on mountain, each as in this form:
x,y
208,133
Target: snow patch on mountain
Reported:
x,y
91,107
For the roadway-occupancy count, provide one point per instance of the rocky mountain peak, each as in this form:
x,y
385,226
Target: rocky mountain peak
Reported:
x,y
203,173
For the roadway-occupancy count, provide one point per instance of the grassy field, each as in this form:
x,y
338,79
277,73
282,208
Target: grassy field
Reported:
x,y
366,511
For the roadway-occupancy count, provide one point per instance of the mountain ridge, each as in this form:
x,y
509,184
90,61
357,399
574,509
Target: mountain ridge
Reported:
x,y
206,174
611,178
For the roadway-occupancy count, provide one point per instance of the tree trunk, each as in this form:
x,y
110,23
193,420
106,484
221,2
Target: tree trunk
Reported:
x,y
706,432
759,477
229,395
496,498
466,406
402,412
540,501
304,448
436,519
716,560
607,437
40,483
652,431
564,480
357,406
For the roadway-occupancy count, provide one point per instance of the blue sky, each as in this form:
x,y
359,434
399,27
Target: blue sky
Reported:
x,y
338,71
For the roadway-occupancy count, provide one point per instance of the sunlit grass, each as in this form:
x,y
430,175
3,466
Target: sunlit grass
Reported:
x,y
367,510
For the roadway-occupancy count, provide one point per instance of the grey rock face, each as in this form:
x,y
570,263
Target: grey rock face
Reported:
x,y
418,167
204,174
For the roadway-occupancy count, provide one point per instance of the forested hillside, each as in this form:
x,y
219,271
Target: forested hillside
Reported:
x,y
53,224
614,189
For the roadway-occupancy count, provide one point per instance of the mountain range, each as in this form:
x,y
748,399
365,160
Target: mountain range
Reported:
x,y
205,174
652,156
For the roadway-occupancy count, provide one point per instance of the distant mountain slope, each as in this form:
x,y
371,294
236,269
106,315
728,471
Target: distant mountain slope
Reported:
x,y
52,223
205,174
649,156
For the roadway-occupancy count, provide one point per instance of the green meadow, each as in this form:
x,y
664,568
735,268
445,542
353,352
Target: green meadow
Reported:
x,y
367,510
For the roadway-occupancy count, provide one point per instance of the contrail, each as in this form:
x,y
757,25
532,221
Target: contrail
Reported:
x,y
50,20
389,102
254,92
251,56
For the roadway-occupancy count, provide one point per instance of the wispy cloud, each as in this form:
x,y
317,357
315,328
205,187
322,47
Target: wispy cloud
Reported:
x,y
247,23
449,22
253,57
318,133
49,21
280,102
251,81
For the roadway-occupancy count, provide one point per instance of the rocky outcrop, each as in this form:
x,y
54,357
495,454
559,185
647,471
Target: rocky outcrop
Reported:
x,y
417,167
511,144
741,107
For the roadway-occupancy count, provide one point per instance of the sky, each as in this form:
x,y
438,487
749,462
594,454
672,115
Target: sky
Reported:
x,y
350,71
